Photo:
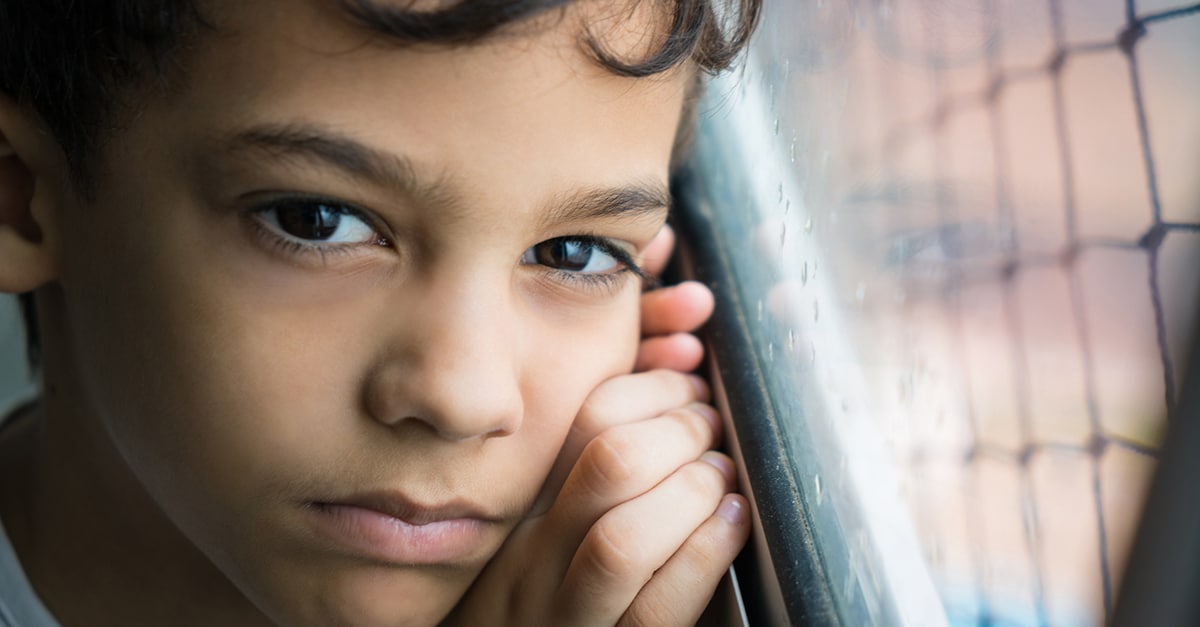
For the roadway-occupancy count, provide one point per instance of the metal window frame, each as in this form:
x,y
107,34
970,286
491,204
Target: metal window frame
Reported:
x,y
781,575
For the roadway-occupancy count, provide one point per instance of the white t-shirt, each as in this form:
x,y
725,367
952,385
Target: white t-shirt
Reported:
x,y
19,604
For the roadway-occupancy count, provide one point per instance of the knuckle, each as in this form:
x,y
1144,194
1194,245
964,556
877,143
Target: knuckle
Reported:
x,y
679,380
622,438
692,420
606,555
591,413
702,480
673,382
606,457
651,614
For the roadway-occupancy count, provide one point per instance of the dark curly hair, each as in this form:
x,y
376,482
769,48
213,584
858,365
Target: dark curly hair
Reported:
x,y
80,63
73,62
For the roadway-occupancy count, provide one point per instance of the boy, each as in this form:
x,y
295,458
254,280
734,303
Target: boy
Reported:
x,y
335,302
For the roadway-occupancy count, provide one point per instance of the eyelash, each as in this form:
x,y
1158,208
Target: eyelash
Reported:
x,y
300,250
606,281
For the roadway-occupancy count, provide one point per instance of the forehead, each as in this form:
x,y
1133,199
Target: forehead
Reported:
x,y
529,102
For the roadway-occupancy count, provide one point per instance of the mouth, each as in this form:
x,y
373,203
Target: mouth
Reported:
x,y
387,527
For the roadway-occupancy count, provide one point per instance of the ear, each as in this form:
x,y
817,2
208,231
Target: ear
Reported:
x,y
26,155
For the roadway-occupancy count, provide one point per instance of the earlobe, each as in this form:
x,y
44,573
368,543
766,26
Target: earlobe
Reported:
x,y
26,259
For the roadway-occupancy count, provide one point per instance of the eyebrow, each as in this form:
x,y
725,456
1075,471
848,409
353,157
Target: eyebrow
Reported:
x,y
384,169
632,201
324,147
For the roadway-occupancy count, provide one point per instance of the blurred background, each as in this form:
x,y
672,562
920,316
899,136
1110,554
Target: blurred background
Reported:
x,y
971,238
15,383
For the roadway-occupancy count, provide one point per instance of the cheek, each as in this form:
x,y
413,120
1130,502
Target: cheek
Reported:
x,y
586,349
573,355
200,380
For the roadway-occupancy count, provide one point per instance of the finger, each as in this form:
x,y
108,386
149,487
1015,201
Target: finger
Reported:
x,y
681,352
658,252
625,462
679,591
630,542
682,307
620,400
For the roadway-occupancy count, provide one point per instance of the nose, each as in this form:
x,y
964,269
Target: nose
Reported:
x,y
454,367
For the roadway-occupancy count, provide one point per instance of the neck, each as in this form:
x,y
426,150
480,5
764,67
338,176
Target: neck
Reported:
x,y
92,542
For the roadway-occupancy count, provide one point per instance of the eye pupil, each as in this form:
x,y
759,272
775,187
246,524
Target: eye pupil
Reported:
x,y
309,221
565,254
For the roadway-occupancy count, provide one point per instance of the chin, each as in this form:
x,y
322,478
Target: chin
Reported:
x,y
373,596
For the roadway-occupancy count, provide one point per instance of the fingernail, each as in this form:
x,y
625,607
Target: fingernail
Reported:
x,y
699,385
732,509
709,414
721,462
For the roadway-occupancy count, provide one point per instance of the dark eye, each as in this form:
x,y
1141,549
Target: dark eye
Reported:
x,y
573,254
312,221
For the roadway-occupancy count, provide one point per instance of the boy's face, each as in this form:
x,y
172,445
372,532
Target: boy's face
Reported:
x,y
315,283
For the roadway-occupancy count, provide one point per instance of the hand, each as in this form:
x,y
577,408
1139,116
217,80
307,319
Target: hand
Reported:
x,y
643,528
670,314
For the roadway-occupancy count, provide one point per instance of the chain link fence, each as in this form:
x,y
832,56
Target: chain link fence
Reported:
x,y
1055,452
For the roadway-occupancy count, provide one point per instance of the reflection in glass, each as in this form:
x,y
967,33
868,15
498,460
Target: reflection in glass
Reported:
x,y
974,228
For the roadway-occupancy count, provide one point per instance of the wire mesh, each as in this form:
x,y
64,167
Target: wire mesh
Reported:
x,y
1017,262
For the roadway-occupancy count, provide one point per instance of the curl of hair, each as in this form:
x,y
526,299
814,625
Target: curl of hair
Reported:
x,y
74,62
71,61
696,30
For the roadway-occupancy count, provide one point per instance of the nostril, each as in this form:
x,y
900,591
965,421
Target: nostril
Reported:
x,y
447,402
453,361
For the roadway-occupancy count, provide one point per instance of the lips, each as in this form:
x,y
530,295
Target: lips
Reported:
x,y
386,526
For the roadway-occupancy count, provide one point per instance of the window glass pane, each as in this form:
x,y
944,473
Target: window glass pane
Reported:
x,y
966,233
